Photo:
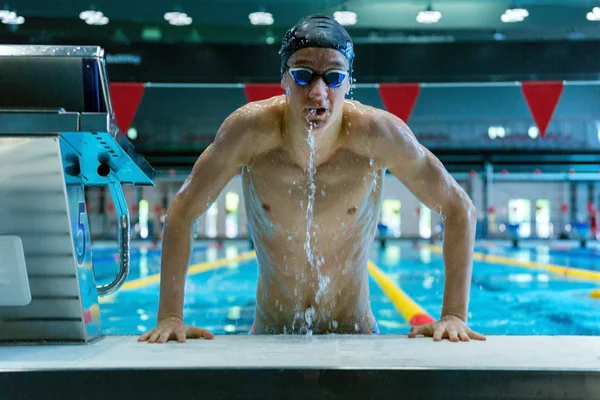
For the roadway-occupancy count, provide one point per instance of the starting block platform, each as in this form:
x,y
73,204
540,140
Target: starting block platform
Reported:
x,y
58,134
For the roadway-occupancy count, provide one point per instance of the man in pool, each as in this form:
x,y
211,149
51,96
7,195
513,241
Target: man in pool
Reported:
x,y
312,166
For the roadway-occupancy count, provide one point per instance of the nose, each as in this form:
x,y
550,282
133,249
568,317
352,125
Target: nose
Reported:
x,y
318,89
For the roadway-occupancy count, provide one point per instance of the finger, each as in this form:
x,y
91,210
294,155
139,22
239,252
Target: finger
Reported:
x,y
154,336
197,333
453,335
438,333
463,336
208,335
414,331
180,335
144,336
475,335
425,330
164,336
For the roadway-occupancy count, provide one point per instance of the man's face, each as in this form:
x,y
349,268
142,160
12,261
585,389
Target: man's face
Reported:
x,y
316,102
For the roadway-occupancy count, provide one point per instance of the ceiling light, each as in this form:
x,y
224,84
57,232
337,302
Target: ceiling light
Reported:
x,y
132,133
496,131
261,18
594,15
87,14
11,18
514,15
345,17
16,21
507,18
429,16
178,18
518,12
92,17
7,14
533,132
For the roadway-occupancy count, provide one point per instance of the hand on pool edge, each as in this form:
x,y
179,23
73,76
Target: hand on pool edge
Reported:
x,y
174,329
449,327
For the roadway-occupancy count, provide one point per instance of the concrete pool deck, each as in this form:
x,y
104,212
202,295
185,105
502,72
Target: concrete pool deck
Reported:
x,y
336,366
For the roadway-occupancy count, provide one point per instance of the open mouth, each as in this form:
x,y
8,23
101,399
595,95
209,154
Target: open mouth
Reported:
x,y
319,112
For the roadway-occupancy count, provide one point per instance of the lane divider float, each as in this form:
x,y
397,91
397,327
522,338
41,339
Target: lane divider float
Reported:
x,y
414,314
568,272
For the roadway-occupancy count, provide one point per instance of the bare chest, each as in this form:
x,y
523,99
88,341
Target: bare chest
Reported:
x,y
332,193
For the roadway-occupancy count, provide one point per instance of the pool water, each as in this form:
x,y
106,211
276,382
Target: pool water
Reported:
x,y
505,299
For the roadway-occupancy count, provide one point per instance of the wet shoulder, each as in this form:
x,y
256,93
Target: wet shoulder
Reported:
x,y
259,124
378,134
360,126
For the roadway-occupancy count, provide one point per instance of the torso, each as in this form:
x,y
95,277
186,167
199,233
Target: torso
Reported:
x,y
315,281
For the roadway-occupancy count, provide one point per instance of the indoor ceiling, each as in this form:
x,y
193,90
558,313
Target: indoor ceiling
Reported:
x,y
377,20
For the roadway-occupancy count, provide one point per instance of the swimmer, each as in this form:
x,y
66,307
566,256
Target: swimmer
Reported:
x,y
312,165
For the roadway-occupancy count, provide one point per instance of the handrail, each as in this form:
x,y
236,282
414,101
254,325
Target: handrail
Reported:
x,y
124,236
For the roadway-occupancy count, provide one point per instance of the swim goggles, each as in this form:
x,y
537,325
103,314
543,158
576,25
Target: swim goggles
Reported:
x,y
303,76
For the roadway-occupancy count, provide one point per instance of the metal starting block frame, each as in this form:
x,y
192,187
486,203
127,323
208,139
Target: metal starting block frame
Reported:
x,y
57,135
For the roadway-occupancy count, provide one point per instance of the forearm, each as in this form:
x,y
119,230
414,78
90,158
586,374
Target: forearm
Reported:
x,y
459,237
174,262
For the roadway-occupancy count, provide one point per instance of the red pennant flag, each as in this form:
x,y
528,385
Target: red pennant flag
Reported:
x,y
262,91
126,98
399,98
542,98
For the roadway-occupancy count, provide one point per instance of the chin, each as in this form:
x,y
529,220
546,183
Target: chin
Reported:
x,y
318,124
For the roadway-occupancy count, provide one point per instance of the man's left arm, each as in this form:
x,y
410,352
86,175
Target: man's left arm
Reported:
x,y
396,147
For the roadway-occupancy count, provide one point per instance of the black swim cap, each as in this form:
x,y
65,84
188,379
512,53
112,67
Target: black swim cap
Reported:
x,y
316,31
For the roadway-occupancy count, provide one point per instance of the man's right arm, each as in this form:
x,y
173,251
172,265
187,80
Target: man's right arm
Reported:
x,y
233,147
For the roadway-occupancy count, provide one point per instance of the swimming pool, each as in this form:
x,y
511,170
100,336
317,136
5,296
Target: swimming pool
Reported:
x,y
507,298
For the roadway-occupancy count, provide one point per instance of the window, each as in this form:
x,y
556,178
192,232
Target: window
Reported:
x,y
543,226
232,202
390,218
424,221
211,220
519,216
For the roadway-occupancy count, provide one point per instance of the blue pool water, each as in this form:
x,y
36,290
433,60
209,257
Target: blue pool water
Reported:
x,y
505,300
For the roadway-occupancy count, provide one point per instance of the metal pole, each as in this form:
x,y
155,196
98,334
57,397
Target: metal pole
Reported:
x,y
488,182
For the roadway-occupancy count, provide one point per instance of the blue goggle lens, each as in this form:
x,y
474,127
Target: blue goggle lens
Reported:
x,y
304,76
